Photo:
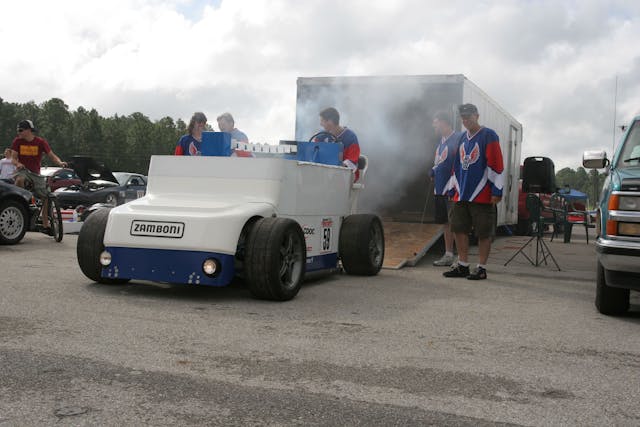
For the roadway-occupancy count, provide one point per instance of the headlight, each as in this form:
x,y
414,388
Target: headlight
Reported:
x,y
105,258
211,267
629,203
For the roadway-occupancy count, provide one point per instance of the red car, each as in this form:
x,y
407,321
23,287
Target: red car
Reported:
x,y
60,177
524,222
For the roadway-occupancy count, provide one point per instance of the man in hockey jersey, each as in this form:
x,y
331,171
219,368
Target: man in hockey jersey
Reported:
x,y
477,182
330,122
440,174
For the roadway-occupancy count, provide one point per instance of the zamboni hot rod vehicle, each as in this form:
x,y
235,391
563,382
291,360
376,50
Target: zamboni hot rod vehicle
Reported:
x,y
206,220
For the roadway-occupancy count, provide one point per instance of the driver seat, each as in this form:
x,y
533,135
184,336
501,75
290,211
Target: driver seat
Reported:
x,y
363,165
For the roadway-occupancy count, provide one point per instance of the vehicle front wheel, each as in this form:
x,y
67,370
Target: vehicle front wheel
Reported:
x,y
90,246
609,300
275,259
13,222
361,244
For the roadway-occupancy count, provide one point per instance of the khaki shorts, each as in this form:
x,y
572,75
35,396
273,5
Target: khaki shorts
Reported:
x,y
38,184
442,206
481,217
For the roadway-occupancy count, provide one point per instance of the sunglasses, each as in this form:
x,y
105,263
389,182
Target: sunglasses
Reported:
x,y
20,130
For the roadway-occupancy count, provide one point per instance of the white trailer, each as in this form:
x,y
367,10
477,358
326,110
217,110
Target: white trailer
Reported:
x,y
392,117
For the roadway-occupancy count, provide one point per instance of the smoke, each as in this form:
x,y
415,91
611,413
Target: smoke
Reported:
x,y
392,118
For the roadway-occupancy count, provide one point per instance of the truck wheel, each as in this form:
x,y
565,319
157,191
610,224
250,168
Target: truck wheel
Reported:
x,y
13,222
361,245
610,300
91,244
275,259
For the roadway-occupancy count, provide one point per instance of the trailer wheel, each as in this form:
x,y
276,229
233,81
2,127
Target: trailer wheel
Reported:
x,y
362,244
609,300
91,244
275,259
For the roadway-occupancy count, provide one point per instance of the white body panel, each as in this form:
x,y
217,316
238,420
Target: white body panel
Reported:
x,y
213,197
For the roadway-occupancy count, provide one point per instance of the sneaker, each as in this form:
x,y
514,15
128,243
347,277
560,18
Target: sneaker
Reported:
x,y
478,273
457,271
445,261
47,230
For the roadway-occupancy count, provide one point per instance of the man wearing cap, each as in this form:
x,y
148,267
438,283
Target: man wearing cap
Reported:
x,y
476,185
27,154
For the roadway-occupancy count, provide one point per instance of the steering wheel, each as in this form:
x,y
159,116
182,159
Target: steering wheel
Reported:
x,y
322,135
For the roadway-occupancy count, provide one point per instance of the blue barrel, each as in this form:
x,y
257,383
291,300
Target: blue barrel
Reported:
x,y
328,153
216,144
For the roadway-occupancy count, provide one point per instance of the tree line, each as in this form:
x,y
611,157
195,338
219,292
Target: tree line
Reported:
x,y
126,143
122,143
589,183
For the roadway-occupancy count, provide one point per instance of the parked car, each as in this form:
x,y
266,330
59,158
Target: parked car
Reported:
x,y
15,213
618,223
100,185
60,177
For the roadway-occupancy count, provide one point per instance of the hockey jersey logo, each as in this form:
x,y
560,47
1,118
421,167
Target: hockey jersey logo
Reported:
x,y
469,159
441,157
193,150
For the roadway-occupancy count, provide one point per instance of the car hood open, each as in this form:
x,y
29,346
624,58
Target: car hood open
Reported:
x,y
88,169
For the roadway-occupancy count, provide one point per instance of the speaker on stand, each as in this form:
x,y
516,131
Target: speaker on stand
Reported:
x,y
538,176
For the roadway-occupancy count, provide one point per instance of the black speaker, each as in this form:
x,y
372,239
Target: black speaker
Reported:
x,y
538,175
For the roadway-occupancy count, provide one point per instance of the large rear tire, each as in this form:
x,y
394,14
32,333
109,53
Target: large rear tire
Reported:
x,y
90,246
13,222
275,259
609,300
55,218
362,244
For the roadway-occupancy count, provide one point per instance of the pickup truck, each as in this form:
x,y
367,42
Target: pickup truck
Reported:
x,y
618,223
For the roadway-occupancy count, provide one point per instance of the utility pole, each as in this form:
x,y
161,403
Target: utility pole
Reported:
x,y
615,104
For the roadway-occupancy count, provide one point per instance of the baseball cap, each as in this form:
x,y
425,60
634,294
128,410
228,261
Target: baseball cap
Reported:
x,y
467,109
27,124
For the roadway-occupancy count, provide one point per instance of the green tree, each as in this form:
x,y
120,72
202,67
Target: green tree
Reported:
x,y
123,143
55,126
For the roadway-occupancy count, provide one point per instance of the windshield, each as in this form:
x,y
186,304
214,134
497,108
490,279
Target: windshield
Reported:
x,y
630,152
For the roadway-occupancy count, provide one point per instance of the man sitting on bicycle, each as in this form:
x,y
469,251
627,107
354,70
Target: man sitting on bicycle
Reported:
x,y
27,154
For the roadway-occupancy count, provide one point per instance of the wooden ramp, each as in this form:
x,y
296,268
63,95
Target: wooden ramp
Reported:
x,y
407,242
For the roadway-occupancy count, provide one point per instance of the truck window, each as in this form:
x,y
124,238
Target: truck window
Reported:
x,y
630,153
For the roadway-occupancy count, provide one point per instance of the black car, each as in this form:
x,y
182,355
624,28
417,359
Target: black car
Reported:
x,y
100,185
15,213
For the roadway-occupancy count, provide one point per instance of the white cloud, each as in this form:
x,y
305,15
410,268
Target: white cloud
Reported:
x,y
551,64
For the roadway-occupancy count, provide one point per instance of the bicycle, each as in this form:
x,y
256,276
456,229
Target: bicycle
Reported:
x,y
36,184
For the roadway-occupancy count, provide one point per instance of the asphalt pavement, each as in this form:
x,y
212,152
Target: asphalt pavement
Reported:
x,y
406,347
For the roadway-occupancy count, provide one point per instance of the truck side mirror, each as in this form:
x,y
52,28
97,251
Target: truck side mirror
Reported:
x,y
595,159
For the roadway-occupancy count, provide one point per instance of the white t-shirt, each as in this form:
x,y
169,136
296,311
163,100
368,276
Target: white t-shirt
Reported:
x,y
7,168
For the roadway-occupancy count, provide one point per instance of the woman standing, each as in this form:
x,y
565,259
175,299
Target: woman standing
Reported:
x,y
189,144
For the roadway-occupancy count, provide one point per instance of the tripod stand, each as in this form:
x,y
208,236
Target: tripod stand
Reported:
x,y
534,206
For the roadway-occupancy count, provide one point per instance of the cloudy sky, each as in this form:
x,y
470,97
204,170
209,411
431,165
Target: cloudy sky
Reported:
x,y
552,64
